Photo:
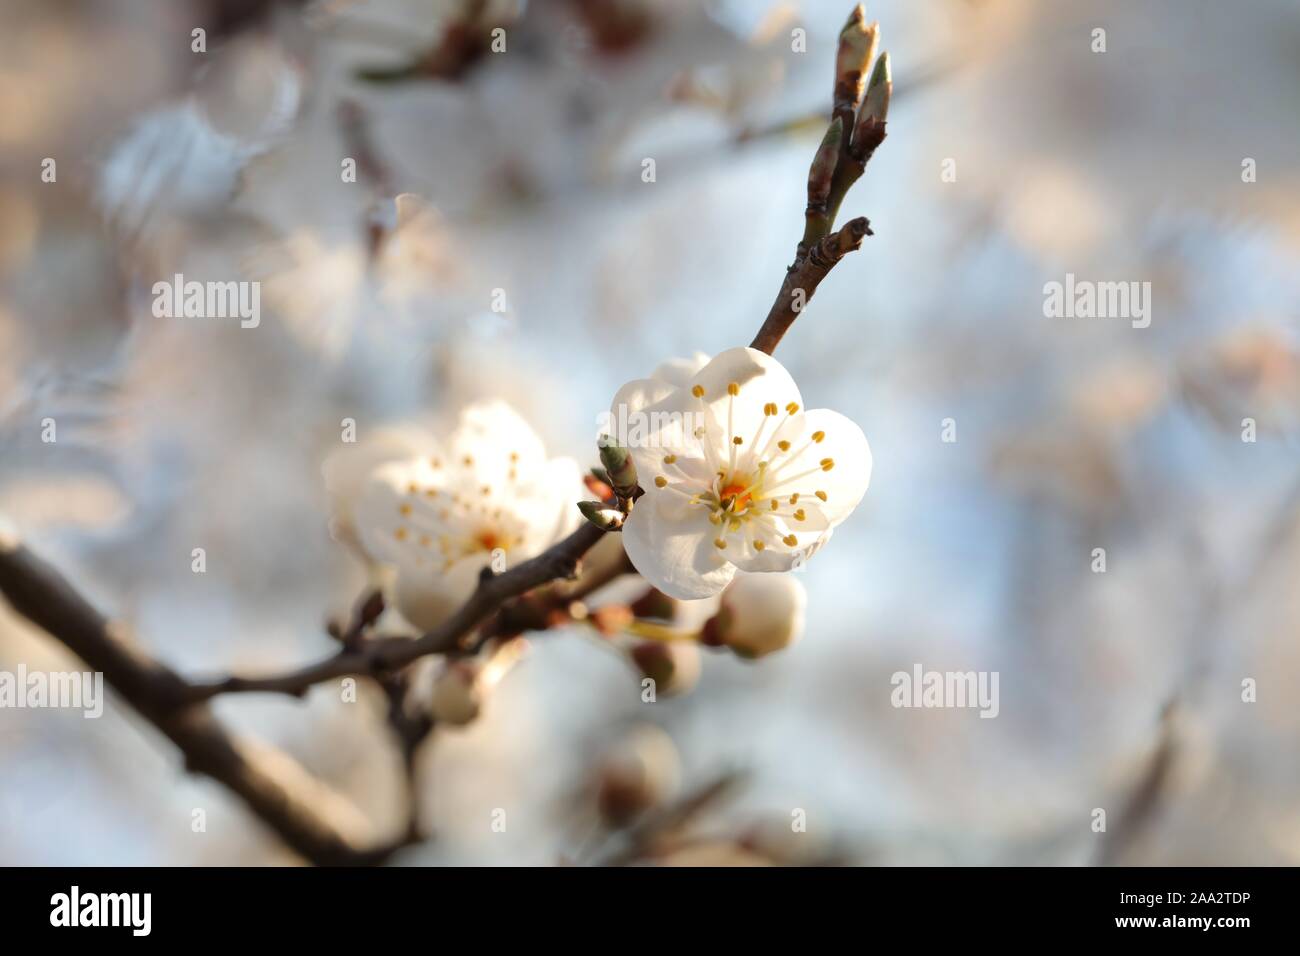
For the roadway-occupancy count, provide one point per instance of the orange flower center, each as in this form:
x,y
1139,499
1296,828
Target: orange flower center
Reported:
x,y
735,497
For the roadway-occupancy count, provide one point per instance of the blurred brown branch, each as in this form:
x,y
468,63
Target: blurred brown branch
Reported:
x,y
299,808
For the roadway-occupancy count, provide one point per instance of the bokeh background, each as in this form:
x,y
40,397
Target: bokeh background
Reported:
x,y
1072,434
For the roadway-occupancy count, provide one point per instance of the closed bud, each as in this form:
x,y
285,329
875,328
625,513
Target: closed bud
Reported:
x,y
879,90
673,666
857,46
598,486
823,165
639,773
457,698
760,613
462,687
654,603
601,515
619,466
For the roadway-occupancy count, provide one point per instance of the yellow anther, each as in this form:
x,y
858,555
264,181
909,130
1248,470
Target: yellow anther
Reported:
x,y
799,515
469,460
738,440
818,436
413,488
827,464
486,489
400,534
821,495
714,517
783,445
791,540
431,492
733,389
794,498
435,462
775,504
405,510
792,408
719,543
514,456
670,459
769,408
661,481
698,391
759,546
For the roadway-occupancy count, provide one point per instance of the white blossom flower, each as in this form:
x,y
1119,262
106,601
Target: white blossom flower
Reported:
x,y
737,475
488,497
759,614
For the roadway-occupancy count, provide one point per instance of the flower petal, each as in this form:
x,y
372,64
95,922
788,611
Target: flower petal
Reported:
x,y
760,380
679,371
845,445
671,545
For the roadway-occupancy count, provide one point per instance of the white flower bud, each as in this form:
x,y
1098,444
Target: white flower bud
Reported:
x,y
462,687
761,613
642,771
674,667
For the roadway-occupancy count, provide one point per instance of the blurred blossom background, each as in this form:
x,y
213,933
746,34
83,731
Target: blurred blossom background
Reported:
x,y
521,173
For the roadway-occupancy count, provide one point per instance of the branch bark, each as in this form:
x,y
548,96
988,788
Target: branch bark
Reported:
x,y
313,820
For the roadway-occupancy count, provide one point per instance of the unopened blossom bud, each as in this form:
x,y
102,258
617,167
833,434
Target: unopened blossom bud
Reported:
x,y
462,687
869,130
640,772
760,613
601,515
598,485
673,666
654,603
823,165
857,46
879,90
619,466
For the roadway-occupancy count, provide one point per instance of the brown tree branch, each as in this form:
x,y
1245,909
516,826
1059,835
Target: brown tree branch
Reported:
x,y
810,267
383,656
311,819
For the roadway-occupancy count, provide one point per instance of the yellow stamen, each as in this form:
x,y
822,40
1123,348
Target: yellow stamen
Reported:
x,y
733,389
783,445
670,459
698,391
821,495
792,408
818,436
661,481
791,540
759,546
827,464
719,543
